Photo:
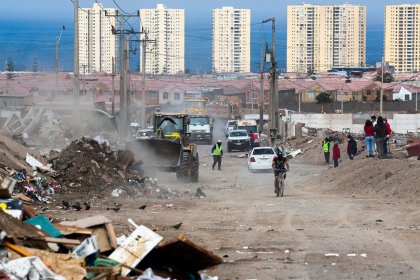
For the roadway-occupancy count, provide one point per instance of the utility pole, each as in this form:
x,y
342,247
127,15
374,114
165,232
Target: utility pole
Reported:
x,y
57,42
381,98
299,101
124,72
144,43
143,83
113,87
273,85
76,86
123,87
261,124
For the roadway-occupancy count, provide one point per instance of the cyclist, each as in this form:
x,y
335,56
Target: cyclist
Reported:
x,y
279,163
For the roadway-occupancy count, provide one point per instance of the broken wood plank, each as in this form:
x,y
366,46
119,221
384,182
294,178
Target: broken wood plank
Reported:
x,y
53,240
111,235
67,230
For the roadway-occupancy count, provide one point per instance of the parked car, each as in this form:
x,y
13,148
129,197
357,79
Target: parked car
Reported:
x,y
261,158
144,133
230,125
238,140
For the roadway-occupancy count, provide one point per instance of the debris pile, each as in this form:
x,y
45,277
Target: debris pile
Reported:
x,y
386,178
36,248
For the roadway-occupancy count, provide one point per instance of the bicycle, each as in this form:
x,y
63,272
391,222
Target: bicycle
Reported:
x,y
279,182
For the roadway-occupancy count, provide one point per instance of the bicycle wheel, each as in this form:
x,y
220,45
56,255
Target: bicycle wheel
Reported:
x,y
277,187
281,188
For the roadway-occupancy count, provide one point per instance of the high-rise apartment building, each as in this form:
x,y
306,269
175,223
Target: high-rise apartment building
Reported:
x,y
402,37
167,28
320,37
231,40
97,44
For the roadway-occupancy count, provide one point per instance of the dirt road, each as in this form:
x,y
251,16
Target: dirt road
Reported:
x,y
307,234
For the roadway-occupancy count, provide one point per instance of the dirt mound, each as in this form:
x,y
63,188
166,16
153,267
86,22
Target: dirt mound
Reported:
x,y
387,178
88,167
88,164
13,154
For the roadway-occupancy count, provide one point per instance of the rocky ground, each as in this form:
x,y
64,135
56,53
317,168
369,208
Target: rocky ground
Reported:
x,y
358,221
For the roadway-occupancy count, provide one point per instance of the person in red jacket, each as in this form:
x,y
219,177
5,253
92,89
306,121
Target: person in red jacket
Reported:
x,y
388,134
369,139
336,154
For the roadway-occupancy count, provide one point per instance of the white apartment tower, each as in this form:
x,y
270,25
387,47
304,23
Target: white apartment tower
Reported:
x,y
320,37
231,40
97,44
167,28
402,37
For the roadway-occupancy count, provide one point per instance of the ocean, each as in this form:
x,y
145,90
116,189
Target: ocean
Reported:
x,y
28,40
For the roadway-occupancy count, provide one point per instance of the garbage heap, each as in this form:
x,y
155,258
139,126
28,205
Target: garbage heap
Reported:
x,y
89,166
35,246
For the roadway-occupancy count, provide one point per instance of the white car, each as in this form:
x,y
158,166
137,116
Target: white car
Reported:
x,y
230,125
238,140
144,134
261,158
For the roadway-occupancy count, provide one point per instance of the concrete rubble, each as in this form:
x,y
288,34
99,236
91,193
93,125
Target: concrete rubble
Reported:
x,y
85,248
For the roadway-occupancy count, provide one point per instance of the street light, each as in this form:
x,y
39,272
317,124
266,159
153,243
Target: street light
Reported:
x,y
57,42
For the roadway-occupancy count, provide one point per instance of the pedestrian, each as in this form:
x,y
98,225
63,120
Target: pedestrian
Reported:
x,y
373,119
336,154
252,139
351,147
326,147
380,133
369,139
387,135
217,153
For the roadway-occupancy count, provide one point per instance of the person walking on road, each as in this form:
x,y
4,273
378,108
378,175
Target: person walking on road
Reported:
x,y
336,154
369,139
217,153
326,147
351,147
387,135
380,133
252,138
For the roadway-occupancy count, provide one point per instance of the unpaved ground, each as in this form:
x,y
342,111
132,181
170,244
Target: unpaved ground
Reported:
x,y
260,236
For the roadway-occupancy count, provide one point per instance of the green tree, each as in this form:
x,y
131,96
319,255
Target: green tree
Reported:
x,y
10,68
388,78
324,97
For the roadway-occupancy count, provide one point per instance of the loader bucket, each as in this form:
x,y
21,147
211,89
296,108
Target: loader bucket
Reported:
x,y
157,153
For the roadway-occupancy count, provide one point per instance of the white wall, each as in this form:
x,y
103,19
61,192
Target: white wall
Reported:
x,y
401,123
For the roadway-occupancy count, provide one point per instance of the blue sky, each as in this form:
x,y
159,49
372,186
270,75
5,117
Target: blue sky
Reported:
x,y
196,10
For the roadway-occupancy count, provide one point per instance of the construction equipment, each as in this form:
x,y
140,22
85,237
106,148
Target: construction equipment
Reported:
x,y
200,129
196,105
169,149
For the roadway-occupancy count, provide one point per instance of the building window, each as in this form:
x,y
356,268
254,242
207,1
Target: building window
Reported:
x,y
165,95
153,95
176,96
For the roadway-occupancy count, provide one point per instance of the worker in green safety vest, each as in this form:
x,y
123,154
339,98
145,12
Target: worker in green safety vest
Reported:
x,y
217,153
326,147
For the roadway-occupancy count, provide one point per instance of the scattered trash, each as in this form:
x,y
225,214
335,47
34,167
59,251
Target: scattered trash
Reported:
x,y
117,192
149,275
379,221
135,248
28,268
332,255
199,193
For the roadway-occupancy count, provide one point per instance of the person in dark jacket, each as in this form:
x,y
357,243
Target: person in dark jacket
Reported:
x,y
351,147
369,139
336,154
326,148
380,134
